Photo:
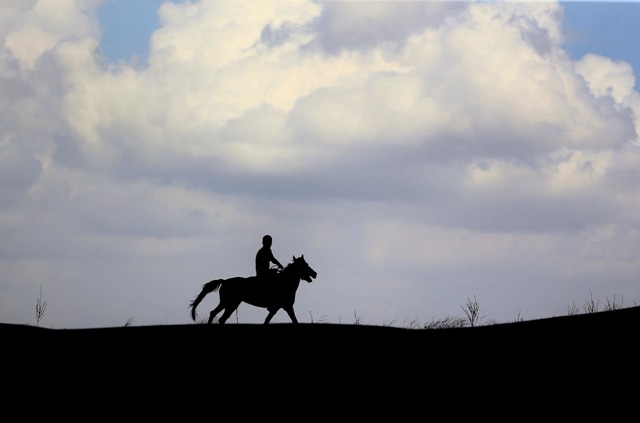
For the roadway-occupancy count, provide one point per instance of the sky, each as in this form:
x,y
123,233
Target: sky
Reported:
x,y
417,153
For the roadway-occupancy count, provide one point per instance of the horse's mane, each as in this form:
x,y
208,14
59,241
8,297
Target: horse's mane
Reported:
x,y
288,267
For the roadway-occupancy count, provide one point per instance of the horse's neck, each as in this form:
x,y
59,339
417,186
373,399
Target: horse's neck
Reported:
x,y
290,278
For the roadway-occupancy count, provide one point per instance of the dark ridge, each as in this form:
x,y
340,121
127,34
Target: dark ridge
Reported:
x,y
556,330
626,319
560,350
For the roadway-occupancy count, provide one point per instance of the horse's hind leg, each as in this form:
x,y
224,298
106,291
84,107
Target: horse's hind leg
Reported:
x,y
214,312
227,312
272,312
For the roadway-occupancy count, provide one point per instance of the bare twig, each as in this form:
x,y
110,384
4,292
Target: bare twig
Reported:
x,y
519,319
40,307
358,320
590,306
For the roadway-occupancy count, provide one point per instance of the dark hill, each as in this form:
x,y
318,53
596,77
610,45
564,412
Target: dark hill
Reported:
x,y
603,328
561,351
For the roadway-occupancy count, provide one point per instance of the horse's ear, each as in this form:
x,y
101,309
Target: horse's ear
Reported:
x,y
294,258
302,257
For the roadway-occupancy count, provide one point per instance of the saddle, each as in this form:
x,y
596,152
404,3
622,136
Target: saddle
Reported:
x,y
266,276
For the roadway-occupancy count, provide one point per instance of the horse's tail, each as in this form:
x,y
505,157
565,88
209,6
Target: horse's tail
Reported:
x,y
206,289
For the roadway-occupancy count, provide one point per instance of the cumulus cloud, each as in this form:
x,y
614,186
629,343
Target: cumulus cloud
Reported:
x,y
33,27
451,140
356,26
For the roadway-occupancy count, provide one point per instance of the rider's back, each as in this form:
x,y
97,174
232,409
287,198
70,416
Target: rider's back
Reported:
x,y
263,258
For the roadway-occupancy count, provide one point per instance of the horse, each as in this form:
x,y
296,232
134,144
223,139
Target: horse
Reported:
x,y
273,293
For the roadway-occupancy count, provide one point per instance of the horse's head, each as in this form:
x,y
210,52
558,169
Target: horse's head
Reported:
x,y
302,268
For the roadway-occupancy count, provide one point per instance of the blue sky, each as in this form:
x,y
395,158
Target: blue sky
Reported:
x,y
605,28
417,154
127,27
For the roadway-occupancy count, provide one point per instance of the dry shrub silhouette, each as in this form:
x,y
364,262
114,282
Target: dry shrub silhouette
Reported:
x,y
519,318
40,307
322,319
573,310
472,311
357,320
590,306
612,305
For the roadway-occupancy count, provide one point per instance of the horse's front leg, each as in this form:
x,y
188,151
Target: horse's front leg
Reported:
x,y
291,314
272,312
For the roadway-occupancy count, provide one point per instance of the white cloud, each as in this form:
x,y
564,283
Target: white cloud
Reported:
x,y
32,27
612,80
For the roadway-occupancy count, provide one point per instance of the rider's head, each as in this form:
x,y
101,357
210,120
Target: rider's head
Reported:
x,y
266,240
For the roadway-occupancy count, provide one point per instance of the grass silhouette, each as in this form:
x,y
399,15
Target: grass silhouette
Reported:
x,y
472,316
612,305
471,310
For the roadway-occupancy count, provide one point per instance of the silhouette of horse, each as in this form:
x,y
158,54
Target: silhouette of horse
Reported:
x,y
273,294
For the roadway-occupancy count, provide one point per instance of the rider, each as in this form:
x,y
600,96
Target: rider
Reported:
x,y
264,257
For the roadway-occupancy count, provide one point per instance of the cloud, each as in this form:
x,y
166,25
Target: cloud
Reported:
x,y
33,27
369,25
442,139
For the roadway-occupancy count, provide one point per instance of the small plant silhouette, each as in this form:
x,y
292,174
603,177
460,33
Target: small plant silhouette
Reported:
x,y
612,305
472,311
358,320
413,324
573,310
590,306
519,318
322,319
204,321
40,307
446,323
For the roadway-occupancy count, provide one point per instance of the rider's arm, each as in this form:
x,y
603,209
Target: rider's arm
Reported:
x,y
273,259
